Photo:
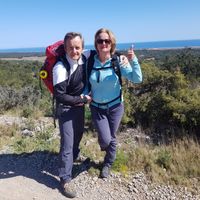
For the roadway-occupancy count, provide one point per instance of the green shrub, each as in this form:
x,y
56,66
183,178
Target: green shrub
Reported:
x,y
164,159
120,163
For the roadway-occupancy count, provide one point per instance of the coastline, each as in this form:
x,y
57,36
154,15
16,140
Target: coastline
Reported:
x,y
32,56
172,48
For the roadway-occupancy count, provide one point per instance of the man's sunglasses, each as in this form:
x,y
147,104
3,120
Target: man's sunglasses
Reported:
x,y
101,41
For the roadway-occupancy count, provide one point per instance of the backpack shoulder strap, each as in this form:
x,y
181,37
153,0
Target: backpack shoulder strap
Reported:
x,y
63,59
90,63
83,58
114,61
115,64
66,64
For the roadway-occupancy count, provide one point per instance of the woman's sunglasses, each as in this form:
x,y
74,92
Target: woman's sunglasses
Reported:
x,y
101,41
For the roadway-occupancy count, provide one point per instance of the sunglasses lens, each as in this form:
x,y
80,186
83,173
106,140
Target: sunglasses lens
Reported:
x,y
101,41
107,41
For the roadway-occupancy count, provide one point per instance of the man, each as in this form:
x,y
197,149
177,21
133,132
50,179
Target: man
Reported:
x,y
68,88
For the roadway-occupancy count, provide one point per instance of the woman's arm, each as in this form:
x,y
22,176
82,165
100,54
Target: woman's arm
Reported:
x,y
132,70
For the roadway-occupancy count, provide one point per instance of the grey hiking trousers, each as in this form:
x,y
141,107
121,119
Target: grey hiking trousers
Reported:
x,y
106,122
71,125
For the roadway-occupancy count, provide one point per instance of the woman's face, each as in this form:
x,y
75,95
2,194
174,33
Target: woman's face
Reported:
x,y
103,43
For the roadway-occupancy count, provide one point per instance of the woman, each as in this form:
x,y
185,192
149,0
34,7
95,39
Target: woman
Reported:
x,y
107,103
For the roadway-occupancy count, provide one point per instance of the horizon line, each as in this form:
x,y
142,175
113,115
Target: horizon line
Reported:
x,y
93,44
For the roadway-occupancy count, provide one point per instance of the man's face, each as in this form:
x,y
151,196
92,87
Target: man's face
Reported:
x,y
74,48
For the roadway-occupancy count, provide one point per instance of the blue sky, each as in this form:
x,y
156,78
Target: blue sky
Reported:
x,y
38,23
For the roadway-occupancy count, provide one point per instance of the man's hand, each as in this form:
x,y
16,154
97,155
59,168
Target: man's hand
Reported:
x,y
87,98
123,61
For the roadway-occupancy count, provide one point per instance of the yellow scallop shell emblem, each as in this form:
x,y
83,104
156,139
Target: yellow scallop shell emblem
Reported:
x,y
43,74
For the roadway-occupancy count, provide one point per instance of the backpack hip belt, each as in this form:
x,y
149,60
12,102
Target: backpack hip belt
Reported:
x,y
107,103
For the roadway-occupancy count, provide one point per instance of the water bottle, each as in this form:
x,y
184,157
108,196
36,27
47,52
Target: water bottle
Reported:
x,y
132,47
131,52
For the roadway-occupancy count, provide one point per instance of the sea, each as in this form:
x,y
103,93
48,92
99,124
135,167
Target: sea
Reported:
x,y
195,43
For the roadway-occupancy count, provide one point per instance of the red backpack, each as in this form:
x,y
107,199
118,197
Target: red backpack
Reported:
x,y
53,53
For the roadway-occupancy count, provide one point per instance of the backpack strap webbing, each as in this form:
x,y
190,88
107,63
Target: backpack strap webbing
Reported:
x,y
90,63
115,64
103,104
66,64
115,59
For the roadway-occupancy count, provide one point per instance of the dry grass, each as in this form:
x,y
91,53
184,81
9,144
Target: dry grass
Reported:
x,y
90,148
177,163
6,133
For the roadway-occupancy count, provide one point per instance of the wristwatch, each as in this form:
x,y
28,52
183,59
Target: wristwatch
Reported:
x,y
85,100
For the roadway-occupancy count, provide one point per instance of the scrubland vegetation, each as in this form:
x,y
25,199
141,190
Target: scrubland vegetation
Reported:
x,y
166,107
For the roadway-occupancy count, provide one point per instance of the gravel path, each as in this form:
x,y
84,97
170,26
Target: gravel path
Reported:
x,y
33,176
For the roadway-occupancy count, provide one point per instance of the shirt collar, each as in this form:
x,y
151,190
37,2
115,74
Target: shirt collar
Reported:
x,y
96,58
74,62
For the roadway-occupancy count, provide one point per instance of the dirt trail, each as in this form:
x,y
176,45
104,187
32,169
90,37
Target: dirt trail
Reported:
x,y
24,188
23,177
33,176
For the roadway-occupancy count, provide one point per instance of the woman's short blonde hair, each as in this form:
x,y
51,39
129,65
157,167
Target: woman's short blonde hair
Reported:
x,y
111,37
